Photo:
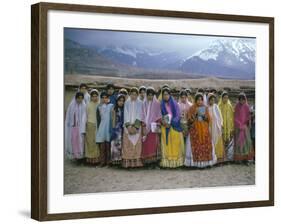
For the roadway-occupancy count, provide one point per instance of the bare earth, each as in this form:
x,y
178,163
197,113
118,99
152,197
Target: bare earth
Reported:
x,y
157,83
87,179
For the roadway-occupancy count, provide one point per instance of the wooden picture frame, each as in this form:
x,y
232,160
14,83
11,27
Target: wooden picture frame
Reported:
x,y
39,108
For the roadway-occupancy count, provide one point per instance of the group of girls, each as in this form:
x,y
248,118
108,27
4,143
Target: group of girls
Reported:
x,y
137,128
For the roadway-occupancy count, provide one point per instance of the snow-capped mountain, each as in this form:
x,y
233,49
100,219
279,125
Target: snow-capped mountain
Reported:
x,y
224,58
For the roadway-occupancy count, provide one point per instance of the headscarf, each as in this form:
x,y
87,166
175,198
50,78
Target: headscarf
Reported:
x,y
132,110
227,115
216,117
241,118
163,87
184,107
92,108
87,97
118,121
175,122
75,117
97,93
151,112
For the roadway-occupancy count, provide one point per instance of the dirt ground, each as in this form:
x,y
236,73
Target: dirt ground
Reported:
x,y
80,178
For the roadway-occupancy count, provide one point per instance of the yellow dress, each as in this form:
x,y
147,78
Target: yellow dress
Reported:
x,y
173,152
227,113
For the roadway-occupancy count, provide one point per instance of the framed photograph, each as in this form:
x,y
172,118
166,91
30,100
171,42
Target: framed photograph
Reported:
x,y
141,111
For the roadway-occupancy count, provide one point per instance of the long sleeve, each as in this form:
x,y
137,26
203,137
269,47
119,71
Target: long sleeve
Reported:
x,y
98,117
83,119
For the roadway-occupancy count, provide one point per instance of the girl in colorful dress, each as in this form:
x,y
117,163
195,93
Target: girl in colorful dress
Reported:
x,y
172,144
117,130
75,127
151,117
242,137
132,138
202,150
228,124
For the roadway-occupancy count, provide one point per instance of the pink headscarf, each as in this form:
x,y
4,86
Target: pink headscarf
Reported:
x,y
151,112
241,119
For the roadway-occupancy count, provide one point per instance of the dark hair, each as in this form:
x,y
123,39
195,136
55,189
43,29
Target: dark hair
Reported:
x,y
83,85
78,94
94,92
134,90
103,94
213,90
142,88
224,93
210,96
198,95
241,96
200,90
117,99
109,86
183,93
150,91
167,90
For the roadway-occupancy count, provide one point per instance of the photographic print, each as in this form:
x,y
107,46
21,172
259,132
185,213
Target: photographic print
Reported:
x,y
144,111
152,111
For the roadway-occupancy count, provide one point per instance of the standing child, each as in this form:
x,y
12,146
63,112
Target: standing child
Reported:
x,y
172,144
242,137
216,128
151,117
203,152
104,124
92,152
228,124
184,106
117,130
75,122
132,144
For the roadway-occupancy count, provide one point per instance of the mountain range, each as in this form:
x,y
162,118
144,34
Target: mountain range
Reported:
x,y
229,58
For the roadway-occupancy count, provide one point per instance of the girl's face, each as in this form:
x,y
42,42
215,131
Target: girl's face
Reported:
x,y
166,96
225,99
212,101
242,100
83,89
150,97
199,101
142,94
104,99
94,98
120,102
79,99
183,98
110,91
133,95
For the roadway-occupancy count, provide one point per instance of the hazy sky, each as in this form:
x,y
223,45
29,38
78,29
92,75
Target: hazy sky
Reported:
x,y
186,44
